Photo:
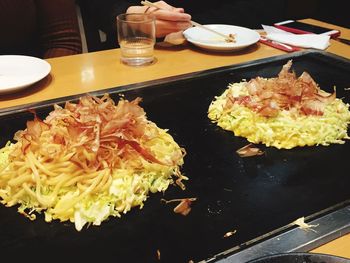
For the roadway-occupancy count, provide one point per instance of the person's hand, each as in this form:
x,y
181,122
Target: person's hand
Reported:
x,y
169,19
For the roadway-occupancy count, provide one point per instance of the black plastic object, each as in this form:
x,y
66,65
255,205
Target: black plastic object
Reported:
x,y
301,258
253,196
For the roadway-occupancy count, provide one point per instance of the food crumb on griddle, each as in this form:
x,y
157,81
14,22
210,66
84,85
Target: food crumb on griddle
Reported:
x,y
304,226
230,233
184,207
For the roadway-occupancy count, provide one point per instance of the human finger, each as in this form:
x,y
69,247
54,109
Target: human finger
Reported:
x,y
164,5
171,16
165,27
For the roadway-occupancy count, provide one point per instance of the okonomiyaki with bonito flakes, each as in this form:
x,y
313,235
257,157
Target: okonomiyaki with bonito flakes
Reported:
x,y
284,112
88,161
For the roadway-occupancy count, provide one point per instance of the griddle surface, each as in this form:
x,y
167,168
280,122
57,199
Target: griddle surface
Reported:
x,y
251,195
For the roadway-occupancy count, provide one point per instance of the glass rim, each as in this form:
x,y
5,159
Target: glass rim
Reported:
x,y
124,16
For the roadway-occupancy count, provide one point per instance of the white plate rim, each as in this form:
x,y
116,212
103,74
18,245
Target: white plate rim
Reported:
x,y
188,34
18,66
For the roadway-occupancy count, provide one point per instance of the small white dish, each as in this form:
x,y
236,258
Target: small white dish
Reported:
x,y
206,39
18,72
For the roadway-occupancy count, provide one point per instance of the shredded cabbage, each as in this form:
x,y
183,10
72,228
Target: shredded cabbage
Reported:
x,y
288,129
110,162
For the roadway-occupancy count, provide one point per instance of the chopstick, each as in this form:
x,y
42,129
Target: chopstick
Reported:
x,y
278,45
228,38
343,40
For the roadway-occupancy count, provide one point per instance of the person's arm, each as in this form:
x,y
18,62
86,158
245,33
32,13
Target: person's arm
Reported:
x,y
59,33
169,19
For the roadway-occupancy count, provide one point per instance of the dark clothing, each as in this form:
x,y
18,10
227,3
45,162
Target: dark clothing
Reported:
x,y
42,28
246,13
101,15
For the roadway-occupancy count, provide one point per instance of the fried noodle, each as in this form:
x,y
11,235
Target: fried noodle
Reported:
x,y
87,161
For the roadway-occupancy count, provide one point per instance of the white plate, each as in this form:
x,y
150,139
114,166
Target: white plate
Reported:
x,y
19,72
208,40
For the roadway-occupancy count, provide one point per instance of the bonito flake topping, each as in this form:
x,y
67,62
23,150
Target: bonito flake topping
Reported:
x,y
285,112
88,161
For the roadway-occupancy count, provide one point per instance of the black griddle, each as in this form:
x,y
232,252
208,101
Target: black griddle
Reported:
x,y
259,197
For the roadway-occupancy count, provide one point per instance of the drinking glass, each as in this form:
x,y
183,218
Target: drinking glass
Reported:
x,y
136,38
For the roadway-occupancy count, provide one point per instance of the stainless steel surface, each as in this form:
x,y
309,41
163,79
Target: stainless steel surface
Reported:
x,y
330,226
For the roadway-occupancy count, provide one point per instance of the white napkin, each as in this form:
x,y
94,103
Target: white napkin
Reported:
x,y
298,40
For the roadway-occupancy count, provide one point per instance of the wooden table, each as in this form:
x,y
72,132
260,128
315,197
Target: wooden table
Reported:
x,y
101,70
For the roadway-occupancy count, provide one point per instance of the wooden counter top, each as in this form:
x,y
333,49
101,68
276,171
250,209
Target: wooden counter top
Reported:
x,y
100,70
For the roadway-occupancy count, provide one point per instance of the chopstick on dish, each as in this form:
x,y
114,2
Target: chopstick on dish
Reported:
x,y
228,38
